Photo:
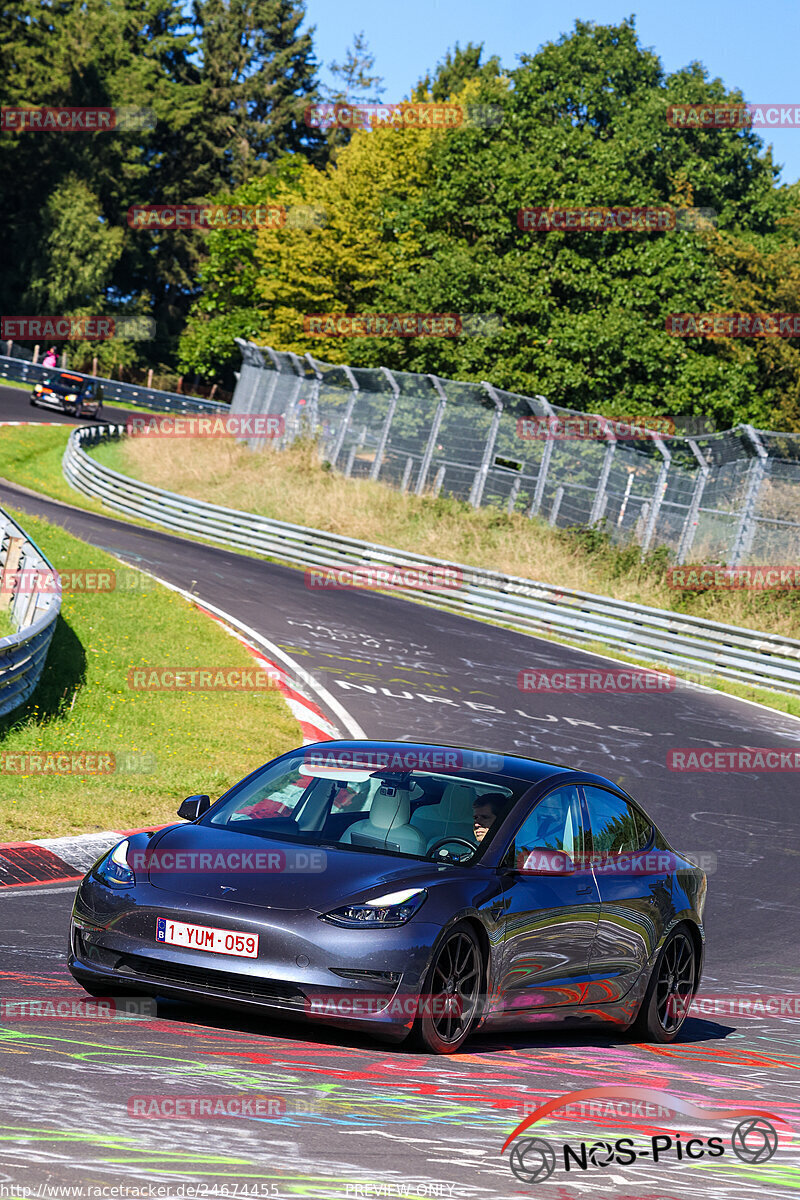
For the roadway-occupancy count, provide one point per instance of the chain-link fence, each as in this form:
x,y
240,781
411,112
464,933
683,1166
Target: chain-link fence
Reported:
x,y
728,497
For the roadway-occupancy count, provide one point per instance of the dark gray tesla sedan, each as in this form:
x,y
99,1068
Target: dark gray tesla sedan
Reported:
x,y
403,889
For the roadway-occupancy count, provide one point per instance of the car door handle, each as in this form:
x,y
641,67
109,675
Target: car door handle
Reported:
x,y
584,891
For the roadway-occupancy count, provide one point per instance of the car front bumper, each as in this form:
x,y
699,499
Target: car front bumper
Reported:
x,y
306,969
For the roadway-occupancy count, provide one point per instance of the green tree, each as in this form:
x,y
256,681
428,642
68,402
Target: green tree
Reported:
x,y
457,68
427,221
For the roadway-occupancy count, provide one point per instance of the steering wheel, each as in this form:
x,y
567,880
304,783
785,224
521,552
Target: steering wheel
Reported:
x,y
444,841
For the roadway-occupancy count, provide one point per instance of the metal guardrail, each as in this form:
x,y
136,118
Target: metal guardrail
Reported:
x,y
655,635
33,612
22,371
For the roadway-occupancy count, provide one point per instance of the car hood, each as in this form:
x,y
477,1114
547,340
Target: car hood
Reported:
x,y
346,875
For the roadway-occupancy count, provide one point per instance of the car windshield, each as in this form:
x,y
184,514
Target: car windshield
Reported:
x,y
438,814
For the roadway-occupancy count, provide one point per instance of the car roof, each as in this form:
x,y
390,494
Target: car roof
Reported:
x,y
517,766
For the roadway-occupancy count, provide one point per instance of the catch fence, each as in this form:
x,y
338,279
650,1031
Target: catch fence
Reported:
x,y
729,497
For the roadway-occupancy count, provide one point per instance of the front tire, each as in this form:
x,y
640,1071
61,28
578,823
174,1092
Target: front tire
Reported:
x,y
450,1000
671,987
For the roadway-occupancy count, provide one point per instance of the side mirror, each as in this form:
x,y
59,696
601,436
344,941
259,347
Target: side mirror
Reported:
x,y
542,861
193,807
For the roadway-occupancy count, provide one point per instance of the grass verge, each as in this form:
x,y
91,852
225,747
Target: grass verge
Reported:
x,y
294,485
171,743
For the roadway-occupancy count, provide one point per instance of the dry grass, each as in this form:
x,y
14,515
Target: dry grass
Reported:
x,y
293,485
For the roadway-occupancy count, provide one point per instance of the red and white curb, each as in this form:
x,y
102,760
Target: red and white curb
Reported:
x,y
60,860
314,725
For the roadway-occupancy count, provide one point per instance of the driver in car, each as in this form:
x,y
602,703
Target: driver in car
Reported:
x,y
485,810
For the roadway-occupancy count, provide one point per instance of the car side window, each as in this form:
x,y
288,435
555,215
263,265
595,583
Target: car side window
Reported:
x,y
616,826
554,824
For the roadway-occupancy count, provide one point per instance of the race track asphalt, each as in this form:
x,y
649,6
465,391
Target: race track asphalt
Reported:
x,y
357,1115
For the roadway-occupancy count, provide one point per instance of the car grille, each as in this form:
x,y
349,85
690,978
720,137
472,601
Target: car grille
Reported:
x,y
247,987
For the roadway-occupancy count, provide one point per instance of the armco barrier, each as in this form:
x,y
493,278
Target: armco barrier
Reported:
x,y
22,371
34,613
652,634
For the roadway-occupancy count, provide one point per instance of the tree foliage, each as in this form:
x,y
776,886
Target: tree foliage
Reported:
x,y
426,221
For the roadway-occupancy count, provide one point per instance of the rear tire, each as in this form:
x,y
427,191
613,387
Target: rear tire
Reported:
x,y
457,970
672,985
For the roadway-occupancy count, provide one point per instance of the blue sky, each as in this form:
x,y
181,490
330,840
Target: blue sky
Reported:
x,y
749,46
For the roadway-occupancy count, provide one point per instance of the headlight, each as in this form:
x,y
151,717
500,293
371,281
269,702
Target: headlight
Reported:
x,y
114,869
71,398
38,388
385,911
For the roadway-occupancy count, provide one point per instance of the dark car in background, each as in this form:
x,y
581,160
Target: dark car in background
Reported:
x,y
68,393
403,889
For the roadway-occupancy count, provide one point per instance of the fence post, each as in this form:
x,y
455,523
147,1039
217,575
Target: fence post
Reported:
x,y
291,417
746,529
479,482
315,387
387,424
600,498
249,403
658,494
354,449
626,497
272,386
434,433
693,514
547,453
348,413
559,496
513,493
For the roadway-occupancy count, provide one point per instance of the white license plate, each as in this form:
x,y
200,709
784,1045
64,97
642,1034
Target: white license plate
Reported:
x,y
206,937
